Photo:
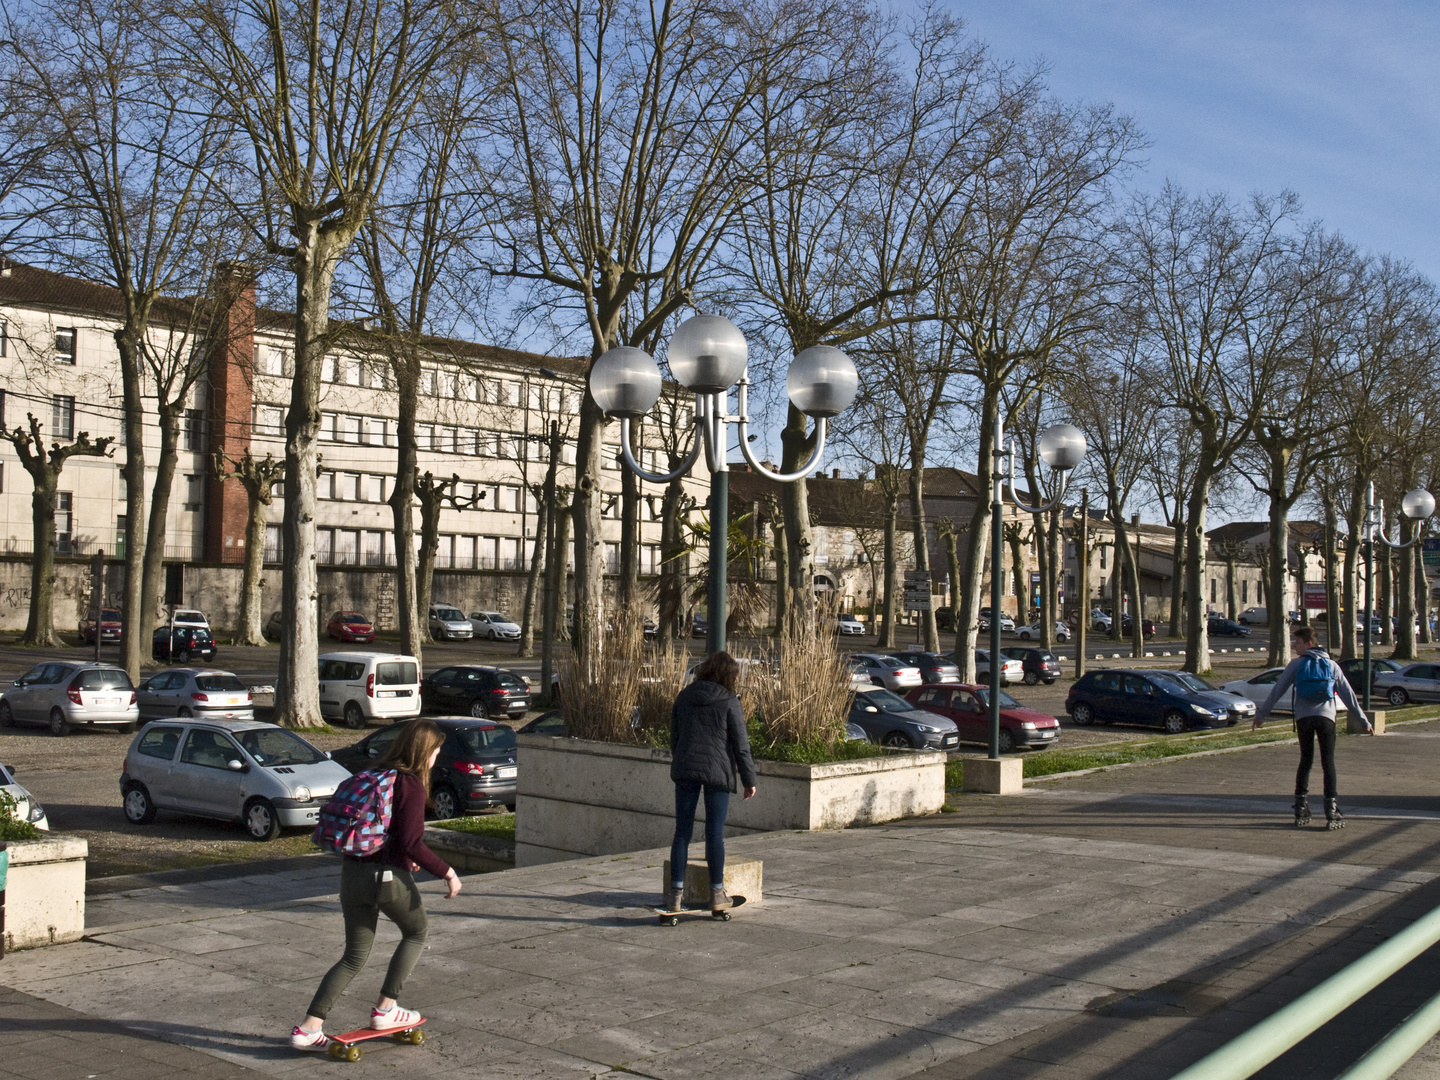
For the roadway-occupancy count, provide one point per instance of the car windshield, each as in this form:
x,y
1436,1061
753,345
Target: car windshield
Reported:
x,y
884,699
497,617
276,746
449,614
1193,682
396,673
1179,682
226,684
1006,701
353,617
486,740
104,679
190,616
510,681
110,615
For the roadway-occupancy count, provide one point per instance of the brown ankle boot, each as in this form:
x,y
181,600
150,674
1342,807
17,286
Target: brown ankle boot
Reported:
x,y
719,901
673,898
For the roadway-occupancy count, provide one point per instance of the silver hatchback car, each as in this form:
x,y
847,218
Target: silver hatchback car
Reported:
x,y
258,774
63,696
206,693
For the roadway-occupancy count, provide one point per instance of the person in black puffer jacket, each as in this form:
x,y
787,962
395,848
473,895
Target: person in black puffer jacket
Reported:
x,y
708,747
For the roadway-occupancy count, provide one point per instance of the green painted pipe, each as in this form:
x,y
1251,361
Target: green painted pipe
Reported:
x,y
1399,1046
1267,1040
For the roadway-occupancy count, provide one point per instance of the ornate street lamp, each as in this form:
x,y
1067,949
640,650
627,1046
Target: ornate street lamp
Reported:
x,y
708,356
1417,505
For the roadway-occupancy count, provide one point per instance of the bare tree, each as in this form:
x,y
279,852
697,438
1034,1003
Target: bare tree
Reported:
x,y
44,466
435,494
258,476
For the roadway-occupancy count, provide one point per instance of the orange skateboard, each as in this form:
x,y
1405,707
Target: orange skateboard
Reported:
x,y
345,1047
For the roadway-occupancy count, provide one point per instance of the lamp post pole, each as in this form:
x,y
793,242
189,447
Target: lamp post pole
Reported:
x,y
1417,505
709,357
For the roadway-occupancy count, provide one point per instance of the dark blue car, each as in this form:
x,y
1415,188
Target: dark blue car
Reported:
x,y
1172,700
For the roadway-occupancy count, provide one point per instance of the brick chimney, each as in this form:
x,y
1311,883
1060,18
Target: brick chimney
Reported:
x,y
231,394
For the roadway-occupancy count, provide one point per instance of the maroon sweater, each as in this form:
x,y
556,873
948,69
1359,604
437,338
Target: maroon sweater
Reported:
x,y
405,843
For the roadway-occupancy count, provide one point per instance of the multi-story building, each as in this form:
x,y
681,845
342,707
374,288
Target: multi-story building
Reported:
x,y
485,417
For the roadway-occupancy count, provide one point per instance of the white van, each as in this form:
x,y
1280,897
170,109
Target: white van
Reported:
x,y
358,687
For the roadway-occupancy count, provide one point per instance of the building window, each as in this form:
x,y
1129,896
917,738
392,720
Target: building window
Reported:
x,y
465,552
4,337
195,430
328,367
427,382
349,487
1102,556
272,543
327,426
348,429
1214,590
62,416
65,345
194,492
120,536
347,547
324,546
325,486
1244,592
64,521
374,552
375,489
2,404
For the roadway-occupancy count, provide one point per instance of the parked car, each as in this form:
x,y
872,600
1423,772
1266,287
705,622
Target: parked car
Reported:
x,y
1257,689
198,692
1254,616
189,617
1033,632
271,629
493,626
847,624
474,771
110,627
1011,671
699,627
181,644
1218,627
1152,698
1036,665
859,675
945,619
27,807
888,671
359,687
1147,627
1354,671
550,723
933,667
649,628
474,691
969,708
1413,682
890,720
261,775
1007,624
350,626
67,695
449,624
1100,621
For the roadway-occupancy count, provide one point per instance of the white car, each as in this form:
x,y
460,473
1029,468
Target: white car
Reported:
x,y
1032,632
1007,624
1011,671
1254,616
189,617
847,623
358,687
1100,621
493,626
885,670
1257,689
27,808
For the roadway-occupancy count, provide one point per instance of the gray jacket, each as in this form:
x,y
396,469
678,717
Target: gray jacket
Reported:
x,y
1305,706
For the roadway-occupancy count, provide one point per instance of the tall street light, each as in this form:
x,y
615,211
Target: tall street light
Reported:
x,y
708,356
1062,447
1417,505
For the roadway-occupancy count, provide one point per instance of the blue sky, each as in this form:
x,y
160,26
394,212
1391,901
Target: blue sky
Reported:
x,y
1336,101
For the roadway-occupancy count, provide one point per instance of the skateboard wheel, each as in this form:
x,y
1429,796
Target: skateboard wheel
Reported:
x,y
669,920
724,916
352,1053
417,1038
337,1051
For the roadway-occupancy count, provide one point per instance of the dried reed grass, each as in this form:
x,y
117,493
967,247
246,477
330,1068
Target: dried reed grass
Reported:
x,y
665,673
806,696
602,683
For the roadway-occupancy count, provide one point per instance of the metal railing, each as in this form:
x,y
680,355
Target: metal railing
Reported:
x,y
1248,1053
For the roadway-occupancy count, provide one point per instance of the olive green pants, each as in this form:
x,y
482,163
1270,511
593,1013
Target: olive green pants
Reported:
x,y
363,896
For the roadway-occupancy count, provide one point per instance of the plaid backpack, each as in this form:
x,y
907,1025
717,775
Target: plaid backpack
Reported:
x,y
357,817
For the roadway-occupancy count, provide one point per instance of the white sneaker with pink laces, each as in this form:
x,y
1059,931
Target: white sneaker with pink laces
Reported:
x,y
301,1039
395,1017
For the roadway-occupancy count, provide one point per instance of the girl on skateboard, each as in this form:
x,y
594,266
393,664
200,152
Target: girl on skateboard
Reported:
x,y
708,747
381,882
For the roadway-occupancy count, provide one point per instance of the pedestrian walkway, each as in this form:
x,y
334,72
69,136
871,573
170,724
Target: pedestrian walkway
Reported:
x,y
1120,924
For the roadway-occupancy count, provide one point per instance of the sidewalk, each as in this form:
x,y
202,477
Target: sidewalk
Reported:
x,y
1120,924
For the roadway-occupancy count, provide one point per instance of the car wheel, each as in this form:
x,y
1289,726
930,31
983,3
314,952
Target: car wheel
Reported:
x,y
181,657
58,726
7,718
1007,741
478,710
261,821
510,806
139,810
354,718
897,739
1398,696
446,803
183,714
1083,714
1049,682
1031,678
126,729
1174,722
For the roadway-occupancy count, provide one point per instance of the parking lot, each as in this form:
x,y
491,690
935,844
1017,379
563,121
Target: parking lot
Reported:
x,y
77,778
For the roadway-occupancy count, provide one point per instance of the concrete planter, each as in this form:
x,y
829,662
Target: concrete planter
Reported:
x,y
578,798
45,892
473,853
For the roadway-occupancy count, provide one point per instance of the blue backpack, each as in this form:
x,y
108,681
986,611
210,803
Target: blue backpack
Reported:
x,y
1314,680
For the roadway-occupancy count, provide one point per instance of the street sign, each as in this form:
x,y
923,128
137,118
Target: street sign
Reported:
x,y
1315,599
917,603
1430,551
1034,578
918,575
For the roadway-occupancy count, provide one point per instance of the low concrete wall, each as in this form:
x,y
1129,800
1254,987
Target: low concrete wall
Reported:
x,y
578,798
45,892
473,853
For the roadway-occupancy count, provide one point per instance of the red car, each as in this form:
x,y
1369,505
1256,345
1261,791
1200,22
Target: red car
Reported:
x,y
969,707
109,627
350,626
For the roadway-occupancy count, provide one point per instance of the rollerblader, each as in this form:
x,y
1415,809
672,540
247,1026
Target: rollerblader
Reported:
x,y
709,747
1318,681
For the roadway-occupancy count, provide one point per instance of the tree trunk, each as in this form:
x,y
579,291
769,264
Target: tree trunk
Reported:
x,y
560,558
952,556
628,592
414,622
1177,578
168,419
533,587
782,576
40,627
1349,587
1422,593
1279,651
585,521
1384,580
1332,558
919,530
425,558
796,448
887,638
977,543
1130,573
252,579
1404,594
1082,581
1230,609
1197,638
135,638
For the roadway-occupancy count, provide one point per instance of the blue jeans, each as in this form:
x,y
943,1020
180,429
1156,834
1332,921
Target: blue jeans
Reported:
x,y
717,803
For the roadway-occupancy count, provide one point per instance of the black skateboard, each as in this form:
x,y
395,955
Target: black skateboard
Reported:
x,y
344,1048
671,918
